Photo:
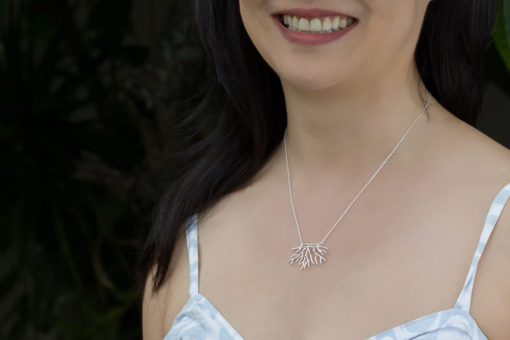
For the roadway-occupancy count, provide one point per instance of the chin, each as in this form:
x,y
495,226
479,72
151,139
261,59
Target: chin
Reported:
x,y
311,80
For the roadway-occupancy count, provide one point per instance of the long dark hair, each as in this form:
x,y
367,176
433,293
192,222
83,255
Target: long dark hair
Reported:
x,y
248,116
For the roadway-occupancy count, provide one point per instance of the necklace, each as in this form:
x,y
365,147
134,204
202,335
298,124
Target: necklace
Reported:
x,y
315,253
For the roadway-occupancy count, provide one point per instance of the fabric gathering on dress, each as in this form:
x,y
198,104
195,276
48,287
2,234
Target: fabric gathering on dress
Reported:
x,y
200,320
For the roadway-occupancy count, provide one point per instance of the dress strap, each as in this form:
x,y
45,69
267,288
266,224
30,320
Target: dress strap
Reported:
x,y
464,300
192,241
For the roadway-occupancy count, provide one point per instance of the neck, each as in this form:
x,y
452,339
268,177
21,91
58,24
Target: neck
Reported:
x,y
344,132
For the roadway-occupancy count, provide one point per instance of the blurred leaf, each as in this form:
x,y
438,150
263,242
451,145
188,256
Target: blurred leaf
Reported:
x,y
502,33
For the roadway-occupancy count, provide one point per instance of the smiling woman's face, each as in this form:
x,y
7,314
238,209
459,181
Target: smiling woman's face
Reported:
x,y
381,40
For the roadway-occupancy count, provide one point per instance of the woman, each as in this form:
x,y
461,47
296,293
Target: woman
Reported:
x,y
341,191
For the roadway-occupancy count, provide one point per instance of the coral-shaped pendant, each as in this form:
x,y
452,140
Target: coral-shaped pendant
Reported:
x,y
308,253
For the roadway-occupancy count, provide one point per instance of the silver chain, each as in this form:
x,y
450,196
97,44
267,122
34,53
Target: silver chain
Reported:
x,y
355,198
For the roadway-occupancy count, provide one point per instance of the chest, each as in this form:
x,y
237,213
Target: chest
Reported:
x,y
391,269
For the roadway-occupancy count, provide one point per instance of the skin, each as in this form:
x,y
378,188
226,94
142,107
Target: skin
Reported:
x,y
360,90
348,103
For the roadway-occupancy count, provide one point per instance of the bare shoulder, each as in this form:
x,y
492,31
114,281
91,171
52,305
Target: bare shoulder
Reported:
x,y
160,307
492,290
480,159
488,168
474,142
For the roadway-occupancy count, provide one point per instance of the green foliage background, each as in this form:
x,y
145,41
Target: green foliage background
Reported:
x,y
85,107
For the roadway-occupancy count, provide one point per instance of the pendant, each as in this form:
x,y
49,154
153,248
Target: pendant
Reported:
x,y
307,253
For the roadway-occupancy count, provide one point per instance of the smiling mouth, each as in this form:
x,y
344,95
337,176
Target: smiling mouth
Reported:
x,y
323,24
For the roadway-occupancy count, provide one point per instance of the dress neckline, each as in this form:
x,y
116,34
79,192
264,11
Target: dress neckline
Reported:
x,y
233,330
461,307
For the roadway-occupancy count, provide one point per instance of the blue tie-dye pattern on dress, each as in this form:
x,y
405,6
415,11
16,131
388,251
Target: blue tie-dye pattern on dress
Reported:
x,y
200,320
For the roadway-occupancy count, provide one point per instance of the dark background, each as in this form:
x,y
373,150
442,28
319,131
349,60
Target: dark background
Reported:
x,y
89,90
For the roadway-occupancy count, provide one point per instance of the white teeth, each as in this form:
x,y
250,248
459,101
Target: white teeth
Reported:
x,y
343,23
336,23
315,25
304,24
326,25
294,23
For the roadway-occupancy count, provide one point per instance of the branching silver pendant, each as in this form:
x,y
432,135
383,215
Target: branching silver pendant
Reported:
x,y
308,253
314,253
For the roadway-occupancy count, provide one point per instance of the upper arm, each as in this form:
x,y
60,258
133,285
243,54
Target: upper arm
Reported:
x,y
492,283
159,308
153,310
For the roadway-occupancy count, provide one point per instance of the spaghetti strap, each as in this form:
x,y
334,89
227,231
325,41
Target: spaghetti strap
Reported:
x,y
464,300
192,241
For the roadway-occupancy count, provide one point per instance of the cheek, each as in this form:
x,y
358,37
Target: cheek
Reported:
x,y
393,27
251,18
254,20
261,30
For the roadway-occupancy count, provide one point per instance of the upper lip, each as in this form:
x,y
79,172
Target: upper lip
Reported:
x,y
311,12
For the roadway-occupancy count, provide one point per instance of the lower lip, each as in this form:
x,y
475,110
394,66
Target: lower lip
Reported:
x,y
311,38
